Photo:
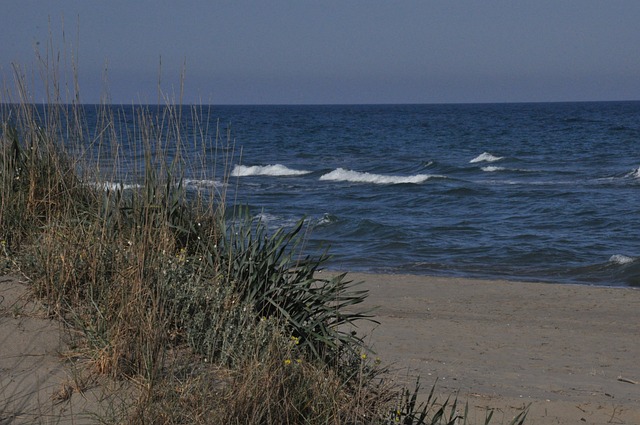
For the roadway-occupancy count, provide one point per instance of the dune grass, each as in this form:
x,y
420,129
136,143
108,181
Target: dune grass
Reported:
x,y
211,317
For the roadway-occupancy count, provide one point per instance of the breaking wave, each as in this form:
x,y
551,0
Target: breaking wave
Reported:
x,y
276,170
492,169
109,186
635,173
341,174
202,183
485,157
621,259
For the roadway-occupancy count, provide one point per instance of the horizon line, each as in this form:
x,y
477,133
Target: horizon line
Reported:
x,y
324,104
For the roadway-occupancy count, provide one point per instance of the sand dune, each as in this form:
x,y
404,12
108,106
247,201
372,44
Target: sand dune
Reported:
x,y
570,351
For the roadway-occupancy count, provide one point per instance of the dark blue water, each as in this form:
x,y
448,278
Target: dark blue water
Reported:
x,y
545,192
524,191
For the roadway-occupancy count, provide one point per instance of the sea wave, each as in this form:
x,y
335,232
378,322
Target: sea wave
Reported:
x,y
266,217
635,173
274,222
341,174
326,219
492,169
202,183
485,157
276,170
621,259
109,186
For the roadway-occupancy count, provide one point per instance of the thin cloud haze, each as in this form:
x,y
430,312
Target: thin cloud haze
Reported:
x,y
372,51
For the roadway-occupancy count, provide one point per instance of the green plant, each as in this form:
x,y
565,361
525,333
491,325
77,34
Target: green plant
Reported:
x,y
272,274
430,412
214,318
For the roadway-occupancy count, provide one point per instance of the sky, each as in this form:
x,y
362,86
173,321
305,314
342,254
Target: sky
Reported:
x,y
326,52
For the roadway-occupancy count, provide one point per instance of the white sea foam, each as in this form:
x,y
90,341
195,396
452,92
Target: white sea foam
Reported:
x,y
485,157
266,170
202,183
109,186
635,173
341,174
621,259
275,221
326,219
266,217
492,169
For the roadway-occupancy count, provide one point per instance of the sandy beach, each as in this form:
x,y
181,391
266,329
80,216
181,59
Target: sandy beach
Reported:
x,y
38,382
570,352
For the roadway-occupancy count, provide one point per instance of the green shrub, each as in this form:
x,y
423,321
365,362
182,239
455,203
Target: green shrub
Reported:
x,y
147,276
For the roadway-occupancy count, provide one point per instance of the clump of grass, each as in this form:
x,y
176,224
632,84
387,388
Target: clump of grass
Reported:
x,y
273,384
144,271
268,276
431,412
215,319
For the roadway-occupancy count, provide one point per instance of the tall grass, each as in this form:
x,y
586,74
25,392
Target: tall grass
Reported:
x,y
215,319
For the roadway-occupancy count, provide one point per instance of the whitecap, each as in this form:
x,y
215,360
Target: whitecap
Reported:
x,y
272,221
326,219
491,169
635,173
341,174
485,157
110,186
276,170
621,259
202,183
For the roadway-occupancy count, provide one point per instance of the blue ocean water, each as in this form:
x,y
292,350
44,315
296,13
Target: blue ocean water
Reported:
x,y
542,192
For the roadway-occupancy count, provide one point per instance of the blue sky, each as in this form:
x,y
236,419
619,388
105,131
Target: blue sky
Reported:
x,y
348,51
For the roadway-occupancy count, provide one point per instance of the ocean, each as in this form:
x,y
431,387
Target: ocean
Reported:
x,y
532,191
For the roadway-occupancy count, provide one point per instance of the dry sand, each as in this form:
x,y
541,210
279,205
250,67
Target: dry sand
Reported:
x,y
572,352
38,383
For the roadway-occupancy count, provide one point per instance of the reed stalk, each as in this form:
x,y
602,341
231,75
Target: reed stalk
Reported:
x,y
215,319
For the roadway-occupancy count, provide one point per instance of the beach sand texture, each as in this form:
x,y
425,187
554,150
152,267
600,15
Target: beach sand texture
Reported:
x,y
38,384
570,351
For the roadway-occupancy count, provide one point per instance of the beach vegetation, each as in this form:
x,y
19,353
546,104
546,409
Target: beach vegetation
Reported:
x,y
211,317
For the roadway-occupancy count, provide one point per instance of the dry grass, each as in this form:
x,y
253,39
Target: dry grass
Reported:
x,y
214,322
